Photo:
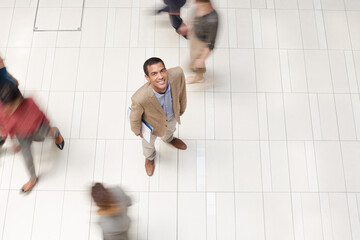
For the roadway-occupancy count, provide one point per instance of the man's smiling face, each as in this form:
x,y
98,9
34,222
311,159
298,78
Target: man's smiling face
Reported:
x,y
157,77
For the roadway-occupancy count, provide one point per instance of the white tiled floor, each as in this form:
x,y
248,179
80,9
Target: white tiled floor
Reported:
x,y
273,134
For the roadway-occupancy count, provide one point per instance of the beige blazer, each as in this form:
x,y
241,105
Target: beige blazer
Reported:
x,y
146,106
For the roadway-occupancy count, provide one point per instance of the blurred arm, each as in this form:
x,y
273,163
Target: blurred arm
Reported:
x,y
2,65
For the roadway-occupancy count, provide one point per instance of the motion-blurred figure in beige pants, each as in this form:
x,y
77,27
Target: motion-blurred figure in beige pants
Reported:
x,y
202,38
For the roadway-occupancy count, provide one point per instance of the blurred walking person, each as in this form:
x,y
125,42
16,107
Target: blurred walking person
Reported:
x,y
24,119
173,8
113,204
202,38
4,77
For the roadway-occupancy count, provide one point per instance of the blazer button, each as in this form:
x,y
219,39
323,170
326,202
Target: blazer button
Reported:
x,y
166,120
165,125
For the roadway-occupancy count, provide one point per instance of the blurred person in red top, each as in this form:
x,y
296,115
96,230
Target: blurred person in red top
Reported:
x,y
28,123
5,77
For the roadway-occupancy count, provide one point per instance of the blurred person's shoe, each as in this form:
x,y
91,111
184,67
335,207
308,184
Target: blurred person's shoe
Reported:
x,y
149,167
59,141
194,79
178,143
29,185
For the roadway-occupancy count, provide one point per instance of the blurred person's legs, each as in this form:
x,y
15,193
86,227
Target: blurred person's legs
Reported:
x,y
25,144
173,8
164,9
59,140
178,24
53,132
196,49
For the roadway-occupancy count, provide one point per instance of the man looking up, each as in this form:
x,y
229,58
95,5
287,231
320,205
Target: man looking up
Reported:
x,y
160,102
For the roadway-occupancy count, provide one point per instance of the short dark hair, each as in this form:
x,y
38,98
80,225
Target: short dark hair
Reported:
x,y
101,196
9,92
151,61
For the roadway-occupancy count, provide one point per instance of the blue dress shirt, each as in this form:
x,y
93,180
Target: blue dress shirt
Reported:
x,y
165,101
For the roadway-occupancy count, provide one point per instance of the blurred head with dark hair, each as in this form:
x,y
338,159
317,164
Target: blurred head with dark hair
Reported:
x,y
101,196
10,97
9,93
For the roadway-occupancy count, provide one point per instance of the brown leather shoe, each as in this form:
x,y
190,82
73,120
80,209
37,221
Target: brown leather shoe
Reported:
x,y
149,167
178,143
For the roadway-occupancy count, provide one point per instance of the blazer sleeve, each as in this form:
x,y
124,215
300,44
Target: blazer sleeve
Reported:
x,y
135,117
182,97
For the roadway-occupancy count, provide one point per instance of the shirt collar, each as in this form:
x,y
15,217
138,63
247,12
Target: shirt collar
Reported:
x,y
162,94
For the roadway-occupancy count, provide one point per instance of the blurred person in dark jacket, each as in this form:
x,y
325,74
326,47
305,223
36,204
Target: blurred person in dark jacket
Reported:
x,y
24,119
202,38
173,8
5,75
113,204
